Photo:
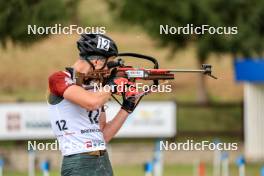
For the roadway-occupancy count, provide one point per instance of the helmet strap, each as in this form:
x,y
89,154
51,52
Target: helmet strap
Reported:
x,y
93,66
88,60
106,60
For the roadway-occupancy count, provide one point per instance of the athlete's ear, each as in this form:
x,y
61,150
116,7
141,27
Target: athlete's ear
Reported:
x,y
96,61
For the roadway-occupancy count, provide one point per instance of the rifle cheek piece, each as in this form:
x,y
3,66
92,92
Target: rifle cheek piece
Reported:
x,y
113,64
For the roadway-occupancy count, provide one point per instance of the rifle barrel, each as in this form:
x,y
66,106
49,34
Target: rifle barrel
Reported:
x,y
185,70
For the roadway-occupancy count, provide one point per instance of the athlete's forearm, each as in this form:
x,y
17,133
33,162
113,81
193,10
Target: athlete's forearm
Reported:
x,y
100,98
111,128
86,99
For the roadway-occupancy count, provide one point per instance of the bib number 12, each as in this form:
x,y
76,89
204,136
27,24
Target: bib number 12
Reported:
x,y
61,125
103,43
93,116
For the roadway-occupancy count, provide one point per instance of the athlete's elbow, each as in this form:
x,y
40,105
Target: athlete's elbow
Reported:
x,y
107,138
92,105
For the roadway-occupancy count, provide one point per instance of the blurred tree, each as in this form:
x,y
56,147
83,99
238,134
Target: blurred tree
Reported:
x,y
16,15
246,15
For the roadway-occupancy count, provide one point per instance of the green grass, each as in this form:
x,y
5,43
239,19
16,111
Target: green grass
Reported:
x,y
228,118
169,170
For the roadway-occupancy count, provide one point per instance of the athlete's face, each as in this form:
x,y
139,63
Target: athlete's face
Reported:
x,y
100,63
109,60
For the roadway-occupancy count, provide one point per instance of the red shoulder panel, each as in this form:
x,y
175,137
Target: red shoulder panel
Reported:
x,y
59,82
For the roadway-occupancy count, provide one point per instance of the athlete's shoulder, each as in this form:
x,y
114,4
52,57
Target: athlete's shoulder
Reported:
x,y
59,81
59,75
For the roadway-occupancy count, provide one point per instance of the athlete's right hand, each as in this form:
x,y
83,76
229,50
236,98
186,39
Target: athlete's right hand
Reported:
x,y
117,84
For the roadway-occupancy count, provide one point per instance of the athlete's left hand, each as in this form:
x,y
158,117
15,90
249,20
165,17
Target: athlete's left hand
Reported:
x,y
130,99
129,104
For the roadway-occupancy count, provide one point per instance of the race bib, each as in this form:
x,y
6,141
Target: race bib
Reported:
x,y
103,43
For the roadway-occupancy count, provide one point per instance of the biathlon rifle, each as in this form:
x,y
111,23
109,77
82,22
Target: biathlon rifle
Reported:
x,y
154,74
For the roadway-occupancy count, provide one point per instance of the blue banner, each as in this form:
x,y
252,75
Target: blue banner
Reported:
x,y
249,70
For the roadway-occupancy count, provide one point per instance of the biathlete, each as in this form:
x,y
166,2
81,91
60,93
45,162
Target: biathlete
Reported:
x,y
78,116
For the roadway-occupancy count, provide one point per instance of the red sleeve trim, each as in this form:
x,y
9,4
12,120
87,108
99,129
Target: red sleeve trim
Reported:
x,y
59,82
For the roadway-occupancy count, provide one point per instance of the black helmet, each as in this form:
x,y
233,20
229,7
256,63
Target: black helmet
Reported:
x,y
96,44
